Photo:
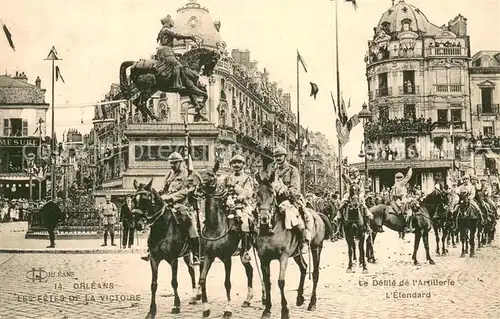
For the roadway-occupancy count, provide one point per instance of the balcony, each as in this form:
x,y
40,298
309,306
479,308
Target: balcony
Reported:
x,y
447,51
488,109
380,92
227,135
445,88
409,89
376,131
444,126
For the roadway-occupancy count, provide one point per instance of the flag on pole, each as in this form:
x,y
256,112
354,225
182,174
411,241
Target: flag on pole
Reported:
x,y
333,102
342,133
354,4
8,35
59,75
301,60
343,112
353,121
305,142
314,89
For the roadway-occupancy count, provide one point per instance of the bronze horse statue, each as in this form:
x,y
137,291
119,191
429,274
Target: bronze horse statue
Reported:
x,y
355,228
283,243
385,215
221,238
149,76
168,240
467,220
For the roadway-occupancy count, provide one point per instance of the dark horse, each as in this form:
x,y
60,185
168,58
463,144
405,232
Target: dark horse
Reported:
x,y
422,223
467,222
150,76
486,230
355,227
167,240
221,238
282,243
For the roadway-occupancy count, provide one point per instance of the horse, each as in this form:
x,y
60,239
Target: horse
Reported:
x,y
467,220
382,215
440,207
422,223
220,238
150,76
485,230
167,241
282,243
355,227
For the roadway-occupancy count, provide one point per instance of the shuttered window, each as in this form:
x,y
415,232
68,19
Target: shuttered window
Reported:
x,y
441,77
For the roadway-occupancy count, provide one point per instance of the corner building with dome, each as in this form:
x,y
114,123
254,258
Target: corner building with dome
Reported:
x,y
418,88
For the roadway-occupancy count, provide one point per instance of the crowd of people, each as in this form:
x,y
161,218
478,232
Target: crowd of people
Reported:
x,y
15,210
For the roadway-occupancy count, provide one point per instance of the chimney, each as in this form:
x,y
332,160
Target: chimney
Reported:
x,y
236,55
458,26
288,101
20,76
245,58
38,82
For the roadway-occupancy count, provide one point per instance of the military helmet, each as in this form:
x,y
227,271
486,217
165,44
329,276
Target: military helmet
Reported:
x,y
237,158
175,157
399,176
473,177
465,177
353,170
278,151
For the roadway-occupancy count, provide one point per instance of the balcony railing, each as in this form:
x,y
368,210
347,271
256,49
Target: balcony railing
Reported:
x,y
383,92
447,51
488,109
413,154
409,89
445,88
444,126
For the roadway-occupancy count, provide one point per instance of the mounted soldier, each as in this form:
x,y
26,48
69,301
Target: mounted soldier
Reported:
x,y
355,178
400,198
178,186
470,189
290,191
239,201
487,192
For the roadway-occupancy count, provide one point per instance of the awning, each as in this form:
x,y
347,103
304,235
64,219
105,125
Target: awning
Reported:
x,y
16,177
491,155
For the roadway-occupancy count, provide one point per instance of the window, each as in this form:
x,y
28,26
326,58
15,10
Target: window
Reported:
x,y
17,127
487,131
456,115
409,111
441,77
383,89
486,98
25,127
409,82
455,77
406,24
384,113
411,151
442,116
6,127
490,164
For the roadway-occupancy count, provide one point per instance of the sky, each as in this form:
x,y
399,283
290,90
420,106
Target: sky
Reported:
x,y
93,37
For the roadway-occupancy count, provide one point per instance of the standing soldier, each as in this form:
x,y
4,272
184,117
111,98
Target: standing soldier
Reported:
x,y
109,216
51,215
240,200
289,175
400,198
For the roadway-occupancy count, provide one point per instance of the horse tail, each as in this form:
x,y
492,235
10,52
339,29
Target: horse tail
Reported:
x,y
125,86
328,225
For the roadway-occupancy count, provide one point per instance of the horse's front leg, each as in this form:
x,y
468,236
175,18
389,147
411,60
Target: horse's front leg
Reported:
x,y
154,285
174,264
350,244
463,239
445,239
316,256
362,262
207,263
418,235
285,313
265,266
196,290
228,313
300,261
249,273
436,233
472,243
425,238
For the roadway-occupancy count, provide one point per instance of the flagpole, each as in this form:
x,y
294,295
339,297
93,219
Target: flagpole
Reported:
x,y
53,148
338,90
298,125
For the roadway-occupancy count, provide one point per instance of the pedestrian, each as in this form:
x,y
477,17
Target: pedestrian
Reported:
x,y
109,214
51,215
127,219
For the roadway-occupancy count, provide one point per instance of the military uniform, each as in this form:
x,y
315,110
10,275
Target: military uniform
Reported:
x,y
109,215
400,197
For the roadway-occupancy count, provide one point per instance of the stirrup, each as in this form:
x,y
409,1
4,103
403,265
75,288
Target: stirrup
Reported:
x,y
245,257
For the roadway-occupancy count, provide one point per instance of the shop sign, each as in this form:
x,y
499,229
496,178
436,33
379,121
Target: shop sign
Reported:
x,y
19,141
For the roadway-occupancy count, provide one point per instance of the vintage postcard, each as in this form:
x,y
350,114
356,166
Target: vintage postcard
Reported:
x,y
249,159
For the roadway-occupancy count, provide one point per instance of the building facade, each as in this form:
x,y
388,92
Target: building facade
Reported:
x,y
485,99
418,89
22,132
246,112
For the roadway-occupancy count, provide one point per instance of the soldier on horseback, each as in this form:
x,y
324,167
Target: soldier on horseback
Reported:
x,y
400,198
165,52
239,201
289,176
470,190
355,178
486,190
178,186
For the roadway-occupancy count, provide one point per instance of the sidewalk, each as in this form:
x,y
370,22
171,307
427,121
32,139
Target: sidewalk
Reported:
x,y
12,241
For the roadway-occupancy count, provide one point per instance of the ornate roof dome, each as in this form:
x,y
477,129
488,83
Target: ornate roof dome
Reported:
x,y
193,19
405,17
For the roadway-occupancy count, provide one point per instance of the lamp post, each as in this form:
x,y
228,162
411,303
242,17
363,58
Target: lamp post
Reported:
x,y
365,115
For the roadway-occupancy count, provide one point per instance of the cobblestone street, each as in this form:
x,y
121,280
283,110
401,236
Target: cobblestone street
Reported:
x,y
88,285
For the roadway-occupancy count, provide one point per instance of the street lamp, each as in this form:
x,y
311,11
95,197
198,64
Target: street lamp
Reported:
x,y
365,115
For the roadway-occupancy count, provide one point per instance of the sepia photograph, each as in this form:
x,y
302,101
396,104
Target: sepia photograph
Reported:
x,y
249,159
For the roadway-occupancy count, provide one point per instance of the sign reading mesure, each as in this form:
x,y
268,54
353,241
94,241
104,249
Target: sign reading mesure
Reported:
x,y
19,141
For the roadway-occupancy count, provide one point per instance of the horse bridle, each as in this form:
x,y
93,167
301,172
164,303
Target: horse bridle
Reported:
x,y
150,220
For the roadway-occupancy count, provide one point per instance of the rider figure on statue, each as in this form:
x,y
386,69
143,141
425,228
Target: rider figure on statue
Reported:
x,y
400,198
239,201
355,178
290,179
165,52
178,186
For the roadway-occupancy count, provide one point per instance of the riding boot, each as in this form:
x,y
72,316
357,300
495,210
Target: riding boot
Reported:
x,y
303,242
409,224
146,257
105,239
112,239
195,250
244,248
